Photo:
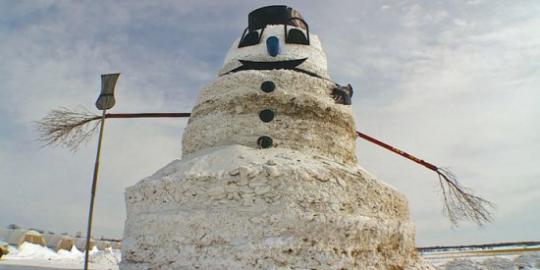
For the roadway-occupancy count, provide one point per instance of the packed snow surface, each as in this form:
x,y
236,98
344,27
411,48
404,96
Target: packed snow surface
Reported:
x,y
36,255
466,261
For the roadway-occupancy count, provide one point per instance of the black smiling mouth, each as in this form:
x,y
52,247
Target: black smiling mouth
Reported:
x,y
261,65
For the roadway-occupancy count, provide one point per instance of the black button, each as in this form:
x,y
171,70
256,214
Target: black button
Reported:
x,y
268,86
266,115
265,142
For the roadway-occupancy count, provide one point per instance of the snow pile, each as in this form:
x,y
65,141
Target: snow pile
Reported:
x,y
460,264
73,254
108,256
497,263
31,251
31,254
526,261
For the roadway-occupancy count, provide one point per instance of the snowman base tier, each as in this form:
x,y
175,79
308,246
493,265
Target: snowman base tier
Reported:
x,y
235,207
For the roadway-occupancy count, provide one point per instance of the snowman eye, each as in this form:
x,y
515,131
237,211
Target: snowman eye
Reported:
x,y
297,36
252,37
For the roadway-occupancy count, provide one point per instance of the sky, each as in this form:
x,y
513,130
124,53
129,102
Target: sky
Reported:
x,y
452,82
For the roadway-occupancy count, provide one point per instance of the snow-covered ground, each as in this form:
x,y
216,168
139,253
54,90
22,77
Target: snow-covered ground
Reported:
x,y
493,259
34,255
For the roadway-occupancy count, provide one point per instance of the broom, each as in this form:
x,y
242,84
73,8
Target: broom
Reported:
x,y
459,203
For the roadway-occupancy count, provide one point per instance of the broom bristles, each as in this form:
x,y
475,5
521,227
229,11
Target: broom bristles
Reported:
x,y
67,127
460,203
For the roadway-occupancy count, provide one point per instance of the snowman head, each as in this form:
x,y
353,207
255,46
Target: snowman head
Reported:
x,y
277,37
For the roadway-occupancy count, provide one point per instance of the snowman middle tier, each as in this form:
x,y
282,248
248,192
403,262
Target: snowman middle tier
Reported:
x,y
295,110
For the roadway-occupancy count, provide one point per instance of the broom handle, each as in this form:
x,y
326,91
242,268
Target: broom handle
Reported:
x,y
360,134
397,151
146,115
93,193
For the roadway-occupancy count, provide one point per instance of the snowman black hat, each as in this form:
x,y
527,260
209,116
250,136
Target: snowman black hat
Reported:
x,y
278,14
275,15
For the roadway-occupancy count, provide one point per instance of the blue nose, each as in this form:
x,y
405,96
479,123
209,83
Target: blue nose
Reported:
x,y
272,45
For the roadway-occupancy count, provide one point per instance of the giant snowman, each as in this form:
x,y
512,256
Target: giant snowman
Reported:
x,y
268,177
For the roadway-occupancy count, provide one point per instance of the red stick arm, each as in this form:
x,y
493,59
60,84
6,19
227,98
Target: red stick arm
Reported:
x,y
397,151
